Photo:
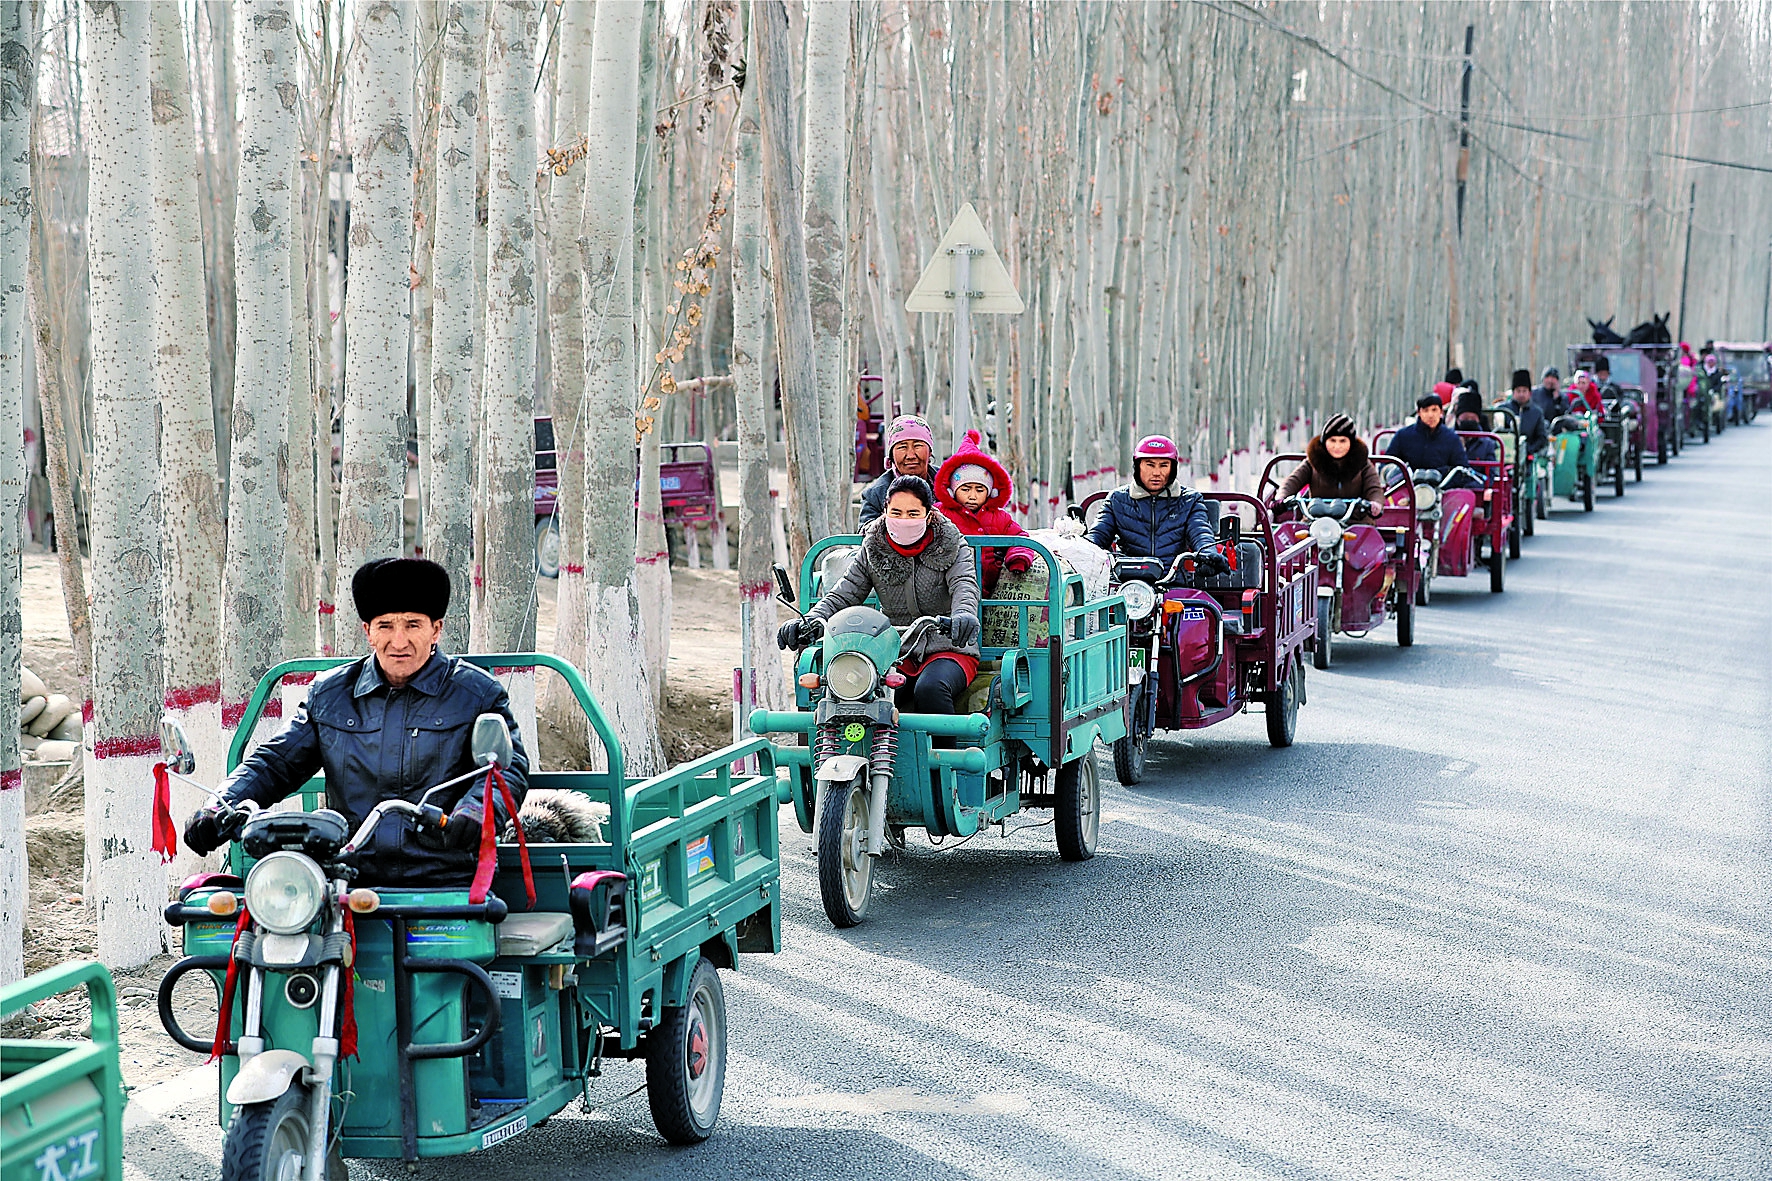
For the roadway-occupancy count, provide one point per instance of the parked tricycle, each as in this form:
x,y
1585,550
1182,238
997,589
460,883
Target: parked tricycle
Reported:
x,y
61,1100
403,1024
864,772
1368,569
1205,647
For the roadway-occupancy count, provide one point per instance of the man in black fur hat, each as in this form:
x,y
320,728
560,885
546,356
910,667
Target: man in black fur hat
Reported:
x,y
388,726
1526,412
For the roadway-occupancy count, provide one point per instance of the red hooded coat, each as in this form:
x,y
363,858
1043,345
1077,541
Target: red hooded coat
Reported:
x,y
990,517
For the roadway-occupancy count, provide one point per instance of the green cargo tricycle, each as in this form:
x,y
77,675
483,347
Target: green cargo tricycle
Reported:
x,y
61,1101
1531,470
1576,446
408,1024
1052,680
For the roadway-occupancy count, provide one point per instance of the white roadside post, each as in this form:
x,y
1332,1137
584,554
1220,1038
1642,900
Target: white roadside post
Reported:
x,y
964,276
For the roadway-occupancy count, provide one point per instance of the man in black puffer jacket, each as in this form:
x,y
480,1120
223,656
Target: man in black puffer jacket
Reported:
x,y
388,726
1154,518
1427,443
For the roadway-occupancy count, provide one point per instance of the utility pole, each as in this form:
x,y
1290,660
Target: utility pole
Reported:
x,y
1686,267
1766,300
1454,346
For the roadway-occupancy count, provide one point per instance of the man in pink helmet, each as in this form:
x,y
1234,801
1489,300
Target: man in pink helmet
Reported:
x,y
910,447
1153,516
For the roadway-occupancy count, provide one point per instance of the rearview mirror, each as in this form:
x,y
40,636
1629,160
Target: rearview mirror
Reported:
x,y
491,741
175,747
784,586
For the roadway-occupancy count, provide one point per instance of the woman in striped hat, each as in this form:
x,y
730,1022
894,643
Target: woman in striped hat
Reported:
x,y
1337,466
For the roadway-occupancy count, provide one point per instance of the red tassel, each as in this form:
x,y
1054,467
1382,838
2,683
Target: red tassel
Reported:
x,y
220,1045
347,1035
489,840
165,832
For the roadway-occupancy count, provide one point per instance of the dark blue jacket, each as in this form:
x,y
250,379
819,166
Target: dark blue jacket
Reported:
x,y
873,498
1177,521
377,743
1419,447
1533,431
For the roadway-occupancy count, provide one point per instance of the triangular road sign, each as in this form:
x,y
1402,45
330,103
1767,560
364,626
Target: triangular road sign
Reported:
x,y
992,289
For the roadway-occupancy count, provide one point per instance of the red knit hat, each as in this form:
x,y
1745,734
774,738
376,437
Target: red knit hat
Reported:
x,y
969,453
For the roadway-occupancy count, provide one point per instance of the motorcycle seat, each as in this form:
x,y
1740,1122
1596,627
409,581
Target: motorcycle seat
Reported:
x,y
532,934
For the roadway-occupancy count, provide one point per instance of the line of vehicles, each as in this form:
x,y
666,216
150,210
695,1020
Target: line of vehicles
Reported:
x,y
408,1025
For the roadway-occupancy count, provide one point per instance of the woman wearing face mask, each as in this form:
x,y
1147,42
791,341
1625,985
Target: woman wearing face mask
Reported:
x,y
917,563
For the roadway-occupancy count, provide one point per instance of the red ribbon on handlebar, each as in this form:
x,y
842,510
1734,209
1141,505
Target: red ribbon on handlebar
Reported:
x,y
347,1034
165,831
489,840
220,1046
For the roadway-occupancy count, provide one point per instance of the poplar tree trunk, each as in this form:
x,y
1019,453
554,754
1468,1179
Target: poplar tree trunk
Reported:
x,y
125,878
377,311
614,656
504,603
652,558
825,210
191,528
256,573
17,98
302,554
756,536
566,346
814,513
455,319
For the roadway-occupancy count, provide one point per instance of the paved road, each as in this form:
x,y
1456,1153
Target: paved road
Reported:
x,y
1500,913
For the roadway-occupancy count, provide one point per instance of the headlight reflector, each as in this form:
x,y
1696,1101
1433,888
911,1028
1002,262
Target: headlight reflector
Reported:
x,y
1325,531
850,676
284,892
1426,496
1141,598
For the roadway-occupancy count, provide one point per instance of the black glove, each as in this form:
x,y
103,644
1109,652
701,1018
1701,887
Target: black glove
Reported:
x,y
462,833
203,831
797,633
963,630
1210,562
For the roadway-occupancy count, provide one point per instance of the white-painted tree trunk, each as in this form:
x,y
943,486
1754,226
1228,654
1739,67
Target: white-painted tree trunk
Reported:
x,y
566,343
125,879
377,314
302,554
825,210
504,582
255,577
756,549
17,46
614,656
652,558
191,528
455,319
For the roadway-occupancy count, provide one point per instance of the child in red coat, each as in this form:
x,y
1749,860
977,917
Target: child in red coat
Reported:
x,y
971,489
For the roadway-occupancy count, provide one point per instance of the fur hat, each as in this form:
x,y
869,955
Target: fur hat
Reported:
x,y
1469,402
390,585
1522,379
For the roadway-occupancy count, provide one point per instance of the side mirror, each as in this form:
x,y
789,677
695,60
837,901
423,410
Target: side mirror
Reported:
x,y
784,586
491,741
175,747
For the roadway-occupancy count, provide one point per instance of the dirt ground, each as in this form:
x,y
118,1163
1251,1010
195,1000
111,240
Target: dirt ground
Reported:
x,y
696,719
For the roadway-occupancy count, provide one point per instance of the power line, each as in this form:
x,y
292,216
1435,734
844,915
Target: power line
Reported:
x,y
1718,163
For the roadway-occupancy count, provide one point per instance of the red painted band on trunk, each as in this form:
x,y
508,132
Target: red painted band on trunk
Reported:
x,y
299,678
86,711
11,779
194,696
499,670
232,712
273,708
326,608
123,748
756,590
652,559
569,568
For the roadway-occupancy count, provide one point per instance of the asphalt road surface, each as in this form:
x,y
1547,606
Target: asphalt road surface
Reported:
x,y
1499,913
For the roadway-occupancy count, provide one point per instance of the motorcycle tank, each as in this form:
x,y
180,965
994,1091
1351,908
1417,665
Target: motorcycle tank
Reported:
x,y
858,622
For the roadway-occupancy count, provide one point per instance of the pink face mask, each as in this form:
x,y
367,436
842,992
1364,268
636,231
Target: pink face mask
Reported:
x,y
907,530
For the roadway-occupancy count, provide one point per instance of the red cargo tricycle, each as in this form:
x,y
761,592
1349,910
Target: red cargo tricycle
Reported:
x,y
1368,569
1465,516
1204,647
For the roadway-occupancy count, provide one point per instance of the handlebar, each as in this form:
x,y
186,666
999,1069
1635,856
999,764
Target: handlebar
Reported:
x,y
429,815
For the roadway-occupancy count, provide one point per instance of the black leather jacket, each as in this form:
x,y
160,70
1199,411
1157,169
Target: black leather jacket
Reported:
x,y
376,743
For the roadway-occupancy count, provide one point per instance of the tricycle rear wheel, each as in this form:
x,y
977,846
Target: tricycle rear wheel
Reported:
x,y
686,1061
1618,479
1076,813
1282,705
1325,630
845,871
268,1141
1513,539
1497,569
1405,621
1129,758
1587,493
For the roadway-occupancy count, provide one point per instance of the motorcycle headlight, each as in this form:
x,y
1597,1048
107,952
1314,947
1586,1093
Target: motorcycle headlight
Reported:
x,y
1426,496
850,676
1141,598
284,892
1325,531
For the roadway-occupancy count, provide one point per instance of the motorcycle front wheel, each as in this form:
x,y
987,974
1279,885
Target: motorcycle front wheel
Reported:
x,y
845,871
269,1141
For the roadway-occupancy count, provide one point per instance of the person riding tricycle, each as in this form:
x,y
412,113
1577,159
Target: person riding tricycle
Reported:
x,y
380,997
912,722
1365,536
1220,615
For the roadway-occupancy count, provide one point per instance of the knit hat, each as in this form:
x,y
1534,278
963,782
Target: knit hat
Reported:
x,y
1550,371
1443,391
1522,379
908,428
971,462
1339,425
1455,375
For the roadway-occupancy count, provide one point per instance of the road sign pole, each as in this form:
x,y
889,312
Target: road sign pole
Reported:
x,y
960,388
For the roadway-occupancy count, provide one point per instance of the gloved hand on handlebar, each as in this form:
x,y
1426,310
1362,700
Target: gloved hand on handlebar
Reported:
x,y
1210,561
964,630
1018,562
1374,508
209,828
463,829
797,633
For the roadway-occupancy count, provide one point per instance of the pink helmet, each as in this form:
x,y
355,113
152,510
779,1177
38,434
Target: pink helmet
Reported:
x,y
1156,447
